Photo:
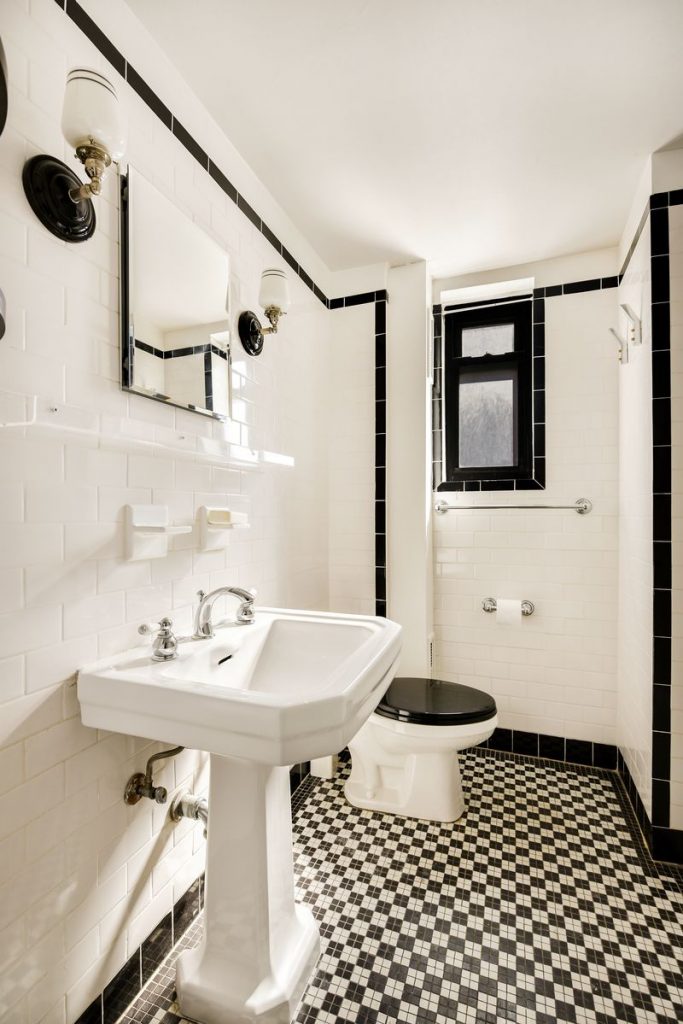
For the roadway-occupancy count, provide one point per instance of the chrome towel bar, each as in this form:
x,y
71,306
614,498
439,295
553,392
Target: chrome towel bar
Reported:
x,y
582,505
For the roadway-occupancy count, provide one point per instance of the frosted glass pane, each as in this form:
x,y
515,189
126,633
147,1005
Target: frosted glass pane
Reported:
x,y
488,341
487,428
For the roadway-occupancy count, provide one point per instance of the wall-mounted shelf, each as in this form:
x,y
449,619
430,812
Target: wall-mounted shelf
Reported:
x,y
214,524
147,531
33,416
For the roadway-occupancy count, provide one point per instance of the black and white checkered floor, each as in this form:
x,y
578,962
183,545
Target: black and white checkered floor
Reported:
x,y
539,905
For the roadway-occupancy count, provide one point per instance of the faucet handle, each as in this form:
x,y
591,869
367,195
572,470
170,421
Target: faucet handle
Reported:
x,y
154,627
165,646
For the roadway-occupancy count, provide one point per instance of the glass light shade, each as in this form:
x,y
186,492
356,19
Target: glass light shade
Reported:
x,y
92,113
274,290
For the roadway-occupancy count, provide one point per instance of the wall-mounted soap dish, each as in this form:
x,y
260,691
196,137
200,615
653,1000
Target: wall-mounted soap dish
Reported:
x,y
146,531
215,522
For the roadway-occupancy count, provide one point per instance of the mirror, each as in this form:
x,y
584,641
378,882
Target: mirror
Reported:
x,y
174,304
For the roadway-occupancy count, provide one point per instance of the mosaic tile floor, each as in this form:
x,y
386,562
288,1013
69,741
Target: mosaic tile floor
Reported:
x,y
540,905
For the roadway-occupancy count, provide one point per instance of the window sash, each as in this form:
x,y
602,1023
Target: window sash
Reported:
x,y
516,362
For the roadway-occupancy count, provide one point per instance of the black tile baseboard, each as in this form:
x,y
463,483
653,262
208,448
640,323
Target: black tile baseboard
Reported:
x,y
553,748
136,972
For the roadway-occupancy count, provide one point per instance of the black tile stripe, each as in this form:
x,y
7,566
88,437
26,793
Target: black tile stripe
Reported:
x,y
554,748
85,23
575,287
249,211
221,180
96,36
190,350
148,96
661,515
537,482
191,145
380,301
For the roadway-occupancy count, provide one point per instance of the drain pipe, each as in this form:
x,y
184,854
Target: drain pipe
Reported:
x,y
187,805
140,785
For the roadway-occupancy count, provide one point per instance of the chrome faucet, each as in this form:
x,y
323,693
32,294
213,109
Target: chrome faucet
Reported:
x,y
165,645
203,626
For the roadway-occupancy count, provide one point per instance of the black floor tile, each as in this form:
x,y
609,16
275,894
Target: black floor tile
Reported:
x,y
539,905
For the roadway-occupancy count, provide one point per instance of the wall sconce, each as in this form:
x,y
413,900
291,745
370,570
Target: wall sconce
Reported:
x,y
93,123
3,315
4,102
274,297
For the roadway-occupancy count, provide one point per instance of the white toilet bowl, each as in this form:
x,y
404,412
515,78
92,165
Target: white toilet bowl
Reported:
x,y
404,760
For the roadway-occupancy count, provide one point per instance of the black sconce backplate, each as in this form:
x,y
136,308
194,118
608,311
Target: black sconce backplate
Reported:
x,y
3,88
47,183
251,334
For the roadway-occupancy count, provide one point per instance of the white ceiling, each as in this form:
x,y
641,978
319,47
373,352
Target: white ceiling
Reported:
x,y
471,133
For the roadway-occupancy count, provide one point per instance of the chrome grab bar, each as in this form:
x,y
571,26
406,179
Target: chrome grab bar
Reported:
x,y
582,505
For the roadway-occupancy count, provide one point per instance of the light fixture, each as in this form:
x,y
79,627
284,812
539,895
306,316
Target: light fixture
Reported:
x,y
274,297
3,89
3,314
93,123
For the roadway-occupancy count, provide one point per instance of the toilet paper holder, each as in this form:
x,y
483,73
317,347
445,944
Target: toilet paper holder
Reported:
x,y
489,604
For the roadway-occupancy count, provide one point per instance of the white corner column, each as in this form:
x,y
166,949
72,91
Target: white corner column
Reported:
x,y
409,486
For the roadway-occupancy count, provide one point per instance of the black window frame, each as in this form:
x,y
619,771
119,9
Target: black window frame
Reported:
x,y
519,313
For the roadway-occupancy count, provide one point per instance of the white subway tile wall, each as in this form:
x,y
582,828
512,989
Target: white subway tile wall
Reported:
x,y
555,673
634,719
352,460
83,879
676,272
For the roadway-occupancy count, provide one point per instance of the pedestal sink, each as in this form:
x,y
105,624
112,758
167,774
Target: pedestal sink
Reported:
x,y
289,687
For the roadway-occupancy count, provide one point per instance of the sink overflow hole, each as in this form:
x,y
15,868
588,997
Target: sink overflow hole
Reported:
x,y
226,658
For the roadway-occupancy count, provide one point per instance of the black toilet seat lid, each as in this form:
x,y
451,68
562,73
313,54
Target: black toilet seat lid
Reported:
x,y
435,702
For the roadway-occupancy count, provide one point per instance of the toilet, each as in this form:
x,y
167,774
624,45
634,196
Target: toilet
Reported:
x,y
404,759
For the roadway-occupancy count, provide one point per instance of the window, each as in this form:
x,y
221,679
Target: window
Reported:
x,y
488,393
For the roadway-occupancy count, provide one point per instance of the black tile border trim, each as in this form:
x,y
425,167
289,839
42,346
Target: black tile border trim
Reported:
x,y
156,105
537,481
127,983
660,835
177,353
553,748
380,299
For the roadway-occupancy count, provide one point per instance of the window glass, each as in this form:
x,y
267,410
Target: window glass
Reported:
x,y
493,340
487,434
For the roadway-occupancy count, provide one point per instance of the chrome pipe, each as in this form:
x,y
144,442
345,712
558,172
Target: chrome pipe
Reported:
x,y
582,505
187,805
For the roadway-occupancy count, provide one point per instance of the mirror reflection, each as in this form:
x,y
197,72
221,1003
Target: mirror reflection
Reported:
x,y
175,287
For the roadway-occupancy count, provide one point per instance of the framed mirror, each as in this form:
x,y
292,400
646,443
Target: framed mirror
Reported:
x,y
175,345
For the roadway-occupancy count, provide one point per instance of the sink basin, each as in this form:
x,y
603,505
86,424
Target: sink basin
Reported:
x,y
289,687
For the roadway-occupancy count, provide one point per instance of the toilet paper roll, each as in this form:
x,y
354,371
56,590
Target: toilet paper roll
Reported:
x,y
508,613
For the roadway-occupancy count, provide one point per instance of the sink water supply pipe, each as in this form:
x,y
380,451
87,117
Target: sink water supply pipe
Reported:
x,y
184,805
140,785
187,805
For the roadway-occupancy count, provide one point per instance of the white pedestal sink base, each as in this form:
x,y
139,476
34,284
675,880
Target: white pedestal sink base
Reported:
x,y
259,948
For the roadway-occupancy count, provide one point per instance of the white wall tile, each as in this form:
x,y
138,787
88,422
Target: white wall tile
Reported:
x,y
550,673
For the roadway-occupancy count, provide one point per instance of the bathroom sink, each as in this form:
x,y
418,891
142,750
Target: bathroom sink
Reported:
x,y
289,687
